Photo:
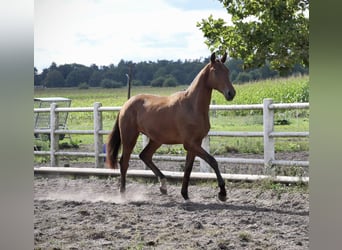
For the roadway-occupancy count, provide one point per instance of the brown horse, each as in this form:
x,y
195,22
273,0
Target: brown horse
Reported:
x,y
181,118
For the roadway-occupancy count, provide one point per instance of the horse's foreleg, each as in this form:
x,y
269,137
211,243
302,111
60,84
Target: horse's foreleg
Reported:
x,y
200,152
190,157
146,157
222,195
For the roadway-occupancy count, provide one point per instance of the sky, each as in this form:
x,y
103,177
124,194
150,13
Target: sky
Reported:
x,y
103,32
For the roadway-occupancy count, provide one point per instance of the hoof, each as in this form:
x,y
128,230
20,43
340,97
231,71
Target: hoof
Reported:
x,y
187,201
123,195
163,190
163,186
222,197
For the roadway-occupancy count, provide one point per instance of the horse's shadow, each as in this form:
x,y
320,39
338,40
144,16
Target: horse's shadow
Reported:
x,y
197,206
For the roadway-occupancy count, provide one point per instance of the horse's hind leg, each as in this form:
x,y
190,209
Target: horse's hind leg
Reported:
x,y
146,157
127,147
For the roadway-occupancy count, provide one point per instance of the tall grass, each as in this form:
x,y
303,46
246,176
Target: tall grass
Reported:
x,y
281,90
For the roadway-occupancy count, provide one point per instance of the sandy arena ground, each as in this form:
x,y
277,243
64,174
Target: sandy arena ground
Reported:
x,y
89,213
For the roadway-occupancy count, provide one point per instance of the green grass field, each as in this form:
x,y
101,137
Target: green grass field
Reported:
x,y
283,90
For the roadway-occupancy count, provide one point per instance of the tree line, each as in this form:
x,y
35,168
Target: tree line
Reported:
x,y
162,73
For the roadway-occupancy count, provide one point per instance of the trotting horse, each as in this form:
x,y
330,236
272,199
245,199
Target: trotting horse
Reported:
x,y
182,118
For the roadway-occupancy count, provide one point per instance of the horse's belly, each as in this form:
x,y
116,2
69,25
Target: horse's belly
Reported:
x,y
163,136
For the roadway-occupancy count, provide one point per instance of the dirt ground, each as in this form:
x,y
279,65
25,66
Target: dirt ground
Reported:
x,y
89,213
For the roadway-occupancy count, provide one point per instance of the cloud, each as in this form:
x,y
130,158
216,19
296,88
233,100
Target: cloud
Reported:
x,y
200,5
175,40
106,31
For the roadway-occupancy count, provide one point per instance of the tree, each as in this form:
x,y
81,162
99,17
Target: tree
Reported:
x,y
170,81
54,79
144,72
95,79
53,66
108,83
65,69
243,77
36,77
263,30
78,75
158,82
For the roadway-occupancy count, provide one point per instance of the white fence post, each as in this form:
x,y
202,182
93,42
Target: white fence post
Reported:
x,y
204,167
98,138
54,138
145,141
268,117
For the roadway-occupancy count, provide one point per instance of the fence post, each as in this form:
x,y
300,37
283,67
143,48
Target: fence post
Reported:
x,y
204,166
214,111
145,141
54,138
268,119
98,138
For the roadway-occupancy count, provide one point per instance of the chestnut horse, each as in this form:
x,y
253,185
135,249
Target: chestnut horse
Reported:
x,y
182,118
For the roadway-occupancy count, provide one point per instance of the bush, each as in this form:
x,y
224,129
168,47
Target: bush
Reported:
x,y
170,81
108,83
243,77
158,82
83,85
137,83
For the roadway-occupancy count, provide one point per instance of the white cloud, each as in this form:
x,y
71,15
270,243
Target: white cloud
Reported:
x,y
106,31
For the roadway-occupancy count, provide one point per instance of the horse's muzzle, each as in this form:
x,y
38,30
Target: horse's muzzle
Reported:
x,y
229,95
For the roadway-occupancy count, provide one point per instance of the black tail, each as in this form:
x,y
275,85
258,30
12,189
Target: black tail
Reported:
x,y
113,145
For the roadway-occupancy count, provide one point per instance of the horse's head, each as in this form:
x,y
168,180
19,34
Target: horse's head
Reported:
x,y
218,77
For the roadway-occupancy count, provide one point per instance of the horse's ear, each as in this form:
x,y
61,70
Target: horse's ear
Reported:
x,y
223,59
213,57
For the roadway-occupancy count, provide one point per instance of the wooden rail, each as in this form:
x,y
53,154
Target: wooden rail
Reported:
x,y
268,134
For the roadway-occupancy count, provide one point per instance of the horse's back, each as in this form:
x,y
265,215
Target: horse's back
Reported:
x,y
155,116
152,103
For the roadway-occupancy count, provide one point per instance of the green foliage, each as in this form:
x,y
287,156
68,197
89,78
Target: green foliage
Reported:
x,y
145,73
95,79
78,75
276,31
83,85
65,144
108,83
243,77
54,79
282,90
137,83
170,81
158,82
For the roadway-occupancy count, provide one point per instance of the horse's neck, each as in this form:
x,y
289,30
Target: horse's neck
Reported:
x,y
199,93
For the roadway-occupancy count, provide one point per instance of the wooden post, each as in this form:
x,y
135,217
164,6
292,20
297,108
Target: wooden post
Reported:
x,y
214,111
145,141
268,119
204,166
98,138
129,81
54,138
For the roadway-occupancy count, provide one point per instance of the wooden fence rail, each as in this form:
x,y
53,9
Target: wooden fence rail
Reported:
x,y
268,134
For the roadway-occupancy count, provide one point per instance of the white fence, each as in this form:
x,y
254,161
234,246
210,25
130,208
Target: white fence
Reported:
x,y
268,134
